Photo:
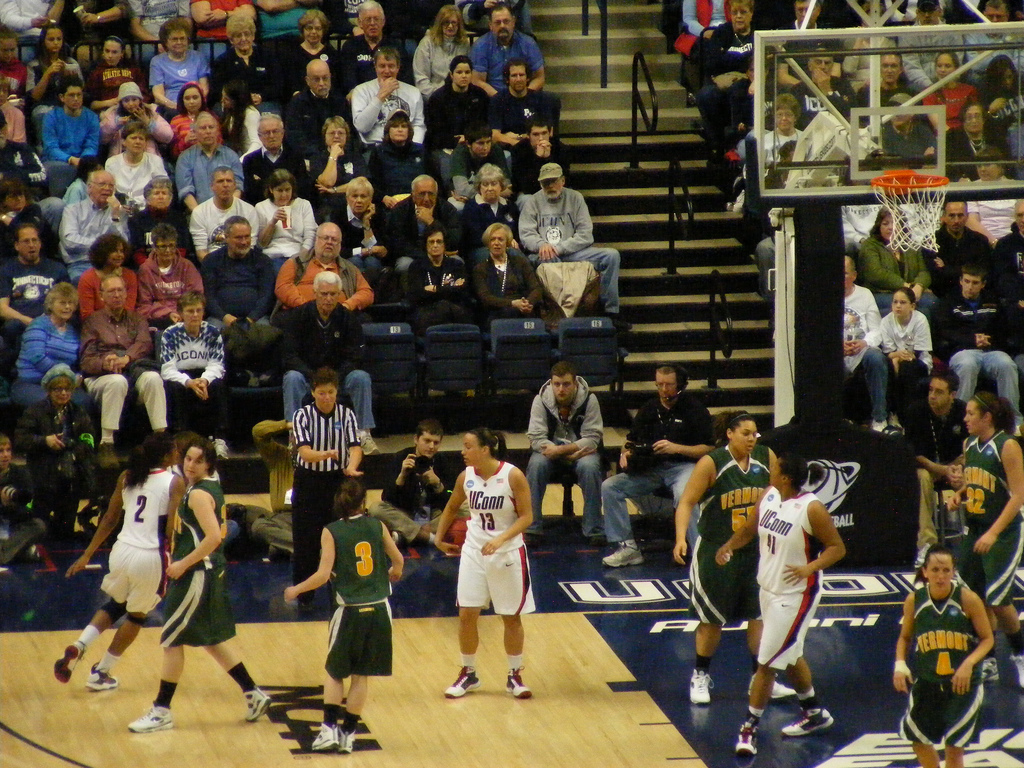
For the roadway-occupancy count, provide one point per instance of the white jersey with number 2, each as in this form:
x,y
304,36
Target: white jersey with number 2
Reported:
x,y
785,539
492,507
144,506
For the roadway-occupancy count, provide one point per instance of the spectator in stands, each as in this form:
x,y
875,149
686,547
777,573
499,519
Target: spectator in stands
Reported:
x,y
502,43
1008,277
997,12
920,67
107,256
25,283
286,223
97,20
934,427
958,245
170,72
148,17
450,110
211,22
135,168
555,225
249,63
359,224
52,64
57,436
334,167
239,119
418,487
164,278
11,107
78,190
312,45
69,133
128,107
115,68
505,284
669,435
50,339
884,269
238,278
197,165
445,40
23,529
375,101
696,26
11,67
208,225
478,150
437,286
838,91
906,135
277,18
968,329
15,209
528,157
192,367
191,103
1000,95
489,205
295,280
991,218
396,161
727,56
359,54
159,194
954,95
858,221
509,110
406,224
28,18
964,143
85,221
566,433
308,110
273,155
907,341
801,8
861,339
892,81
323,332
117,354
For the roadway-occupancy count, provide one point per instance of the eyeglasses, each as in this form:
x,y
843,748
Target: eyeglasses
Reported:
x,y
165,247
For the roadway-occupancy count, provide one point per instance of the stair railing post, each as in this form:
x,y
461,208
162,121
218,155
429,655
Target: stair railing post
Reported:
x,y
603,6
713,327
586,18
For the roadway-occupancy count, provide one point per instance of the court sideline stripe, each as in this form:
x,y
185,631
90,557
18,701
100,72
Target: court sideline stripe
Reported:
x,y
40,747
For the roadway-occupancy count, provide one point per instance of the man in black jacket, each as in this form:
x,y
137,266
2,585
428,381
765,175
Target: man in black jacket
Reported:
x,y
958,245
406,225
321,333
412,502
19,529
272,155
669,435
1008,266
308,109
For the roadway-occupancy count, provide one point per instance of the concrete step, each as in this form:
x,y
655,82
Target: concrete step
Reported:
x,y
692,308
549,18
620,41
618,95
621,120
704,254
586,69
707,224
647,199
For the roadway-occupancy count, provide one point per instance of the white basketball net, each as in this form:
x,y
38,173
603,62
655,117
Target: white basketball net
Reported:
x,y
915,210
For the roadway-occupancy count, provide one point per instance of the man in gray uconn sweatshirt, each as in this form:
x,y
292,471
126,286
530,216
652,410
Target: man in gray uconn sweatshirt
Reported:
x,y
555,225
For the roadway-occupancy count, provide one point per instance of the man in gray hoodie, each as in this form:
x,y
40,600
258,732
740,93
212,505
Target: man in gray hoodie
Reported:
x,y
555,225
565,431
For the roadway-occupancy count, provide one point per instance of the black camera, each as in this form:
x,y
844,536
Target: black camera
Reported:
x,y
641,457
19,496
424,464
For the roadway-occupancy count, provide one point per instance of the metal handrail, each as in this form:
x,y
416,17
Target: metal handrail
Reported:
x,y
602,6
721,338
676,221
650,123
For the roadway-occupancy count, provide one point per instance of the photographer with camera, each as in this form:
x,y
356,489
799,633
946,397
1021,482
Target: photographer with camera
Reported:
x,y
19,530
412,503
669,435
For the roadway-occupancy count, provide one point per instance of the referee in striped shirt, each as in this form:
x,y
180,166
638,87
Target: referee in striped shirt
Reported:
x,y
327,450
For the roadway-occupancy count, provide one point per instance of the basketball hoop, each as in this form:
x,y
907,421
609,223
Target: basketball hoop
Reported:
x,y
915,202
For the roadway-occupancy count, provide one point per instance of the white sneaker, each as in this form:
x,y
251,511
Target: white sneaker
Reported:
x,y
1018,662
466,681
808,724
624,556
257,703
157,719
220,446
327,740
516,686
879,426
782,691
99,680
746,742
700,687
346,741
369,445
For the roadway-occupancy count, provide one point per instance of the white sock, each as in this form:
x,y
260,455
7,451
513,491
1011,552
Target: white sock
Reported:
x,y
89,634
469,660
107,662
515,662
107,436
631,543
432,538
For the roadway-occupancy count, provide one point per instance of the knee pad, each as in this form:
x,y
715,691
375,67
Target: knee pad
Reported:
x,y
115,610
136,619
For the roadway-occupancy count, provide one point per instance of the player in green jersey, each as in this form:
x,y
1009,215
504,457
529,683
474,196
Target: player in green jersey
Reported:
x,y
992,495
947,627
352,551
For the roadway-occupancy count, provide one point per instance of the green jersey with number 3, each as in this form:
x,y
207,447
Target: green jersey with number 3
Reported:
x,y
360,573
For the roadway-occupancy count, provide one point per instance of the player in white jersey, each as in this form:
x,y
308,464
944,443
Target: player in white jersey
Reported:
x,y
144,494
494,566
797,540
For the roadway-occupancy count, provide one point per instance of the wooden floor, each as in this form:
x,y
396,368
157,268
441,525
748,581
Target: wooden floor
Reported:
x,y
575,719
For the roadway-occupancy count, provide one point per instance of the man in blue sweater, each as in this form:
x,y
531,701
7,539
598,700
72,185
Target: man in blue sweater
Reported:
x,y
238,278
69,134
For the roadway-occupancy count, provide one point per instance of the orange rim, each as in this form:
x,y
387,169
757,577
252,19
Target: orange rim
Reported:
x,y
902,182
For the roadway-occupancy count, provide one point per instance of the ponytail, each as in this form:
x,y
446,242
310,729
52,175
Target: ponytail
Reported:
x,y
492,439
